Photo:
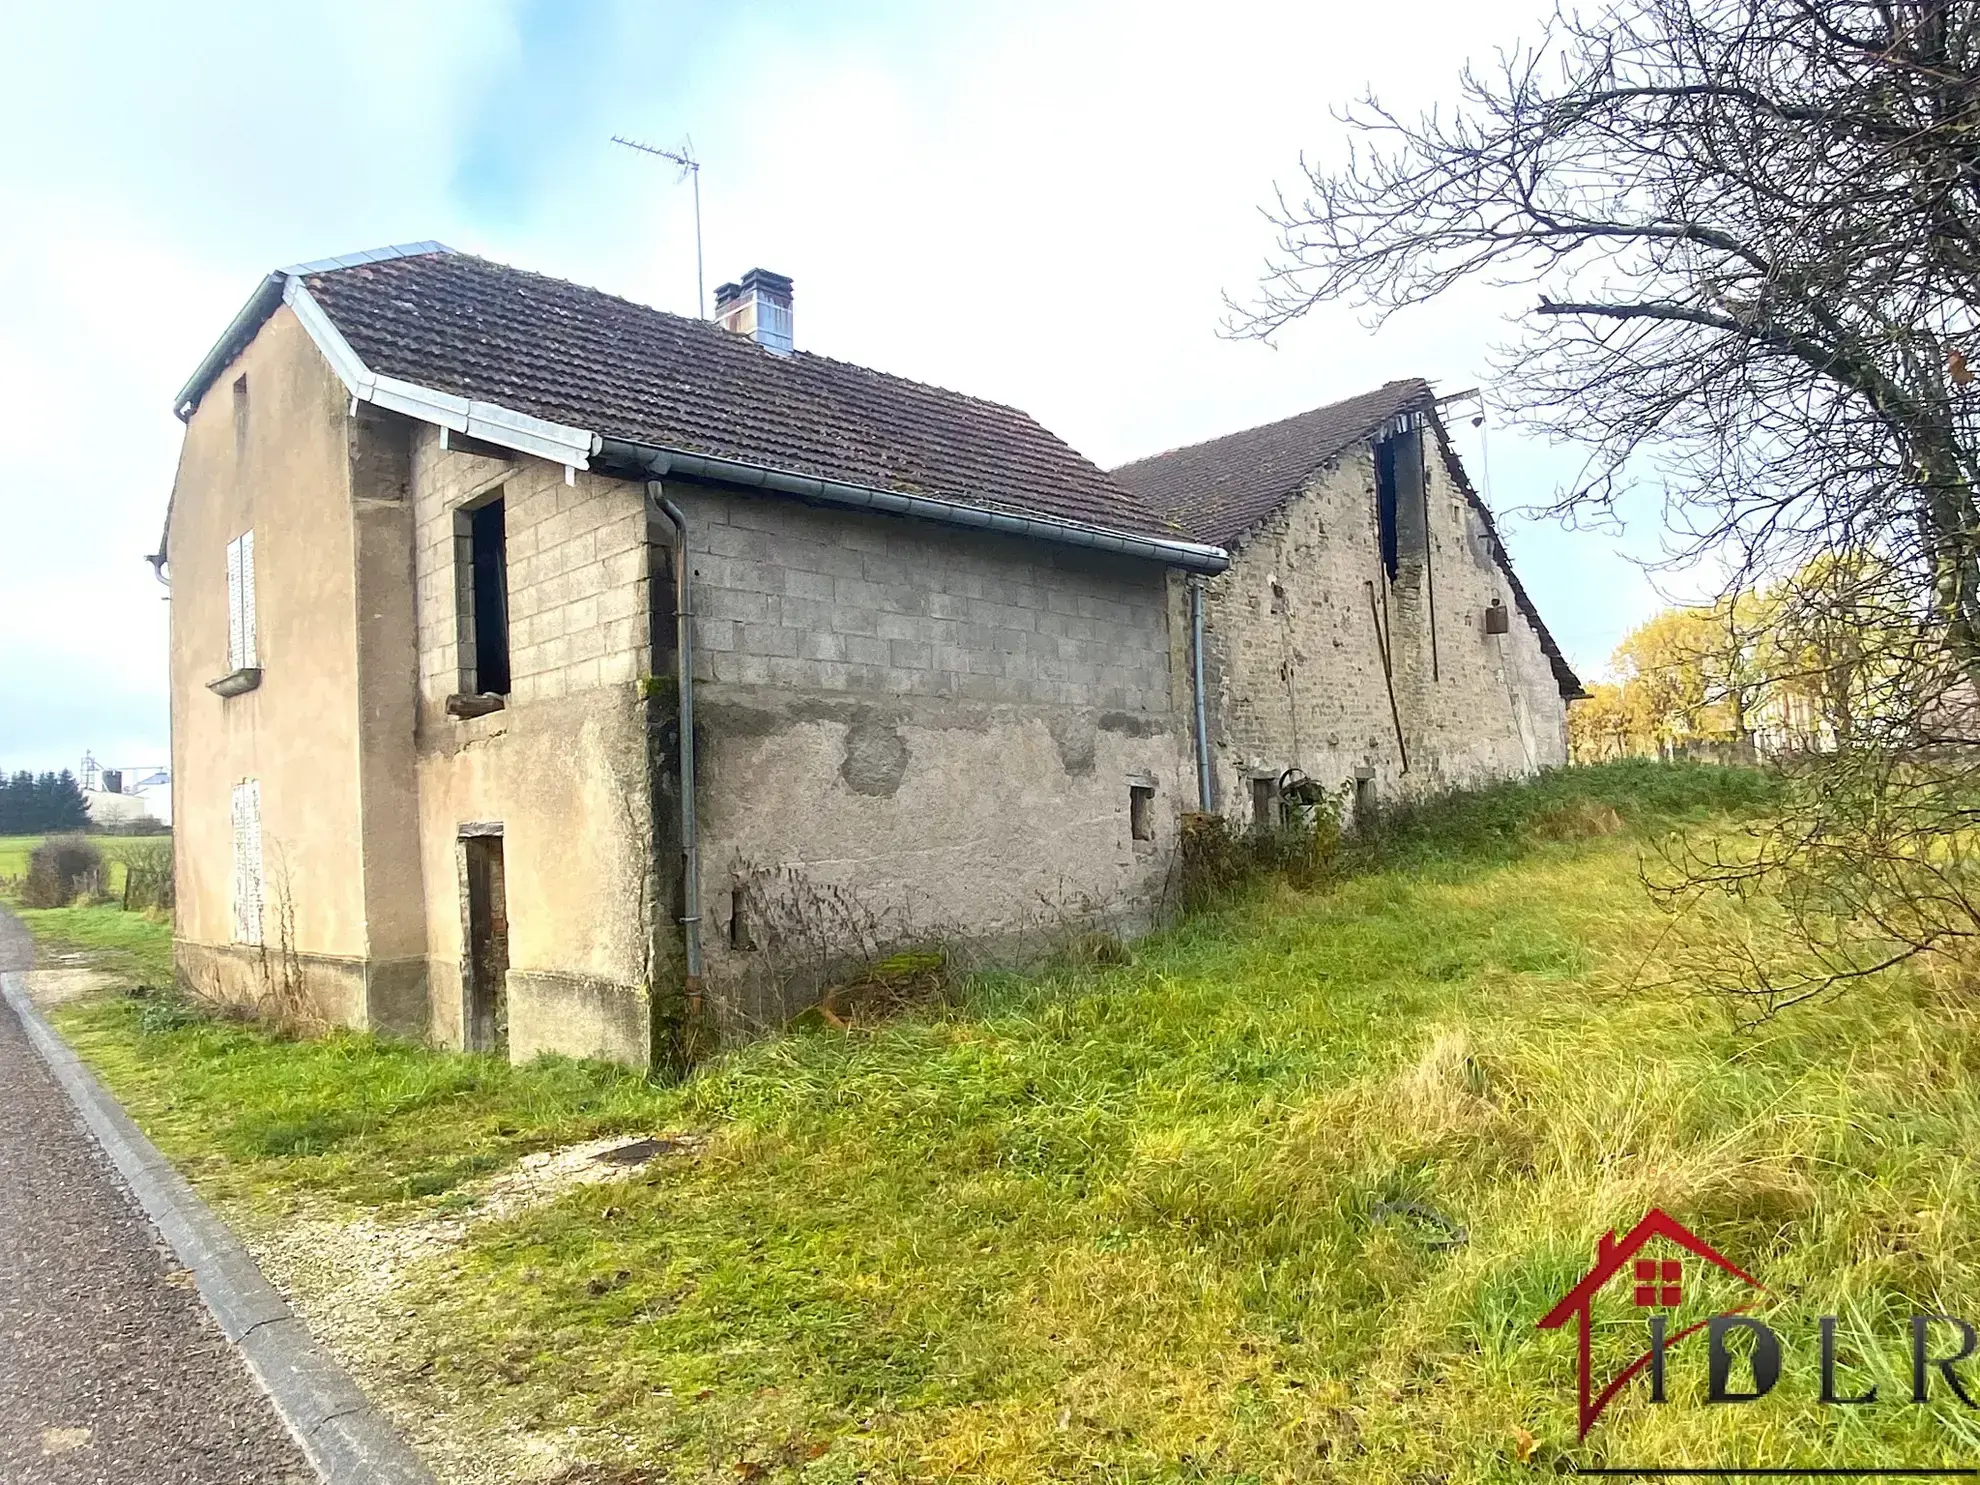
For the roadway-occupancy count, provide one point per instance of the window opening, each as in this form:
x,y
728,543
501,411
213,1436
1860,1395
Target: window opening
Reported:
x,y
489,559
739,935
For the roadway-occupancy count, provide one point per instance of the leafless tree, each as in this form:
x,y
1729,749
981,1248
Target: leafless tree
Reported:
x,y
1753,232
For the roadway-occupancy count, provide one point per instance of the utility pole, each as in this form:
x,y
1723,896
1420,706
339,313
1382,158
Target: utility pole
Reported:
x,y
690,170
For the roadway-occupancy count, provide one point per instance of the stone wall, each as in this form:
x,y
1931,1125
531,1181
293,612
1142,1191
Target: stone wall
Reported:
x,y
270,449
577,570
1294,653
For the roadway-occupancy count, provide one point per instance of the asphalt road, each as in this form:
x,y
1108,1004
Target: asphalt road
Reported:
x,y
111,1369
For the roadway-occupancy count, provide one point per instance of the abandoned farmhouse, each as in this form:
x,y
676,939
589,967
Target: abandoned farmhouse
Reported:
x,y
545,666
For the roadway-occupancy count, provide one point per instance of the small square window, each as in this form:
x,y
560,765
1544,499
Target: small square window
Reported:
x,y
1646,1268
1673,1295
1141,811
1673,1270
1646,1295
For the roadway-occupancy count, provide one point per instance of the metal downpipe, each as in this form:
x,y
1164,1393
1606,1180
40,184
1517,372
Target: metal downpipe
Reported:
x,y
684,663
1204,803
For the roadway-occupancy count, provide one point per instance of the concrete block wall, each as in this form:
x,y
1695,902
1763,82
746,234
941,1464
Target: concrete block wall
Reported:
x,y
940,727
818,599
1295,678
577,556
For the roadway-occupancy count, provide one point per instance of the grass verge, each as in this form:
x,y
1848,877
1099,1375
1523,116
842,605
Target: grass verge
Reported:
x,y
1279,1200
135,947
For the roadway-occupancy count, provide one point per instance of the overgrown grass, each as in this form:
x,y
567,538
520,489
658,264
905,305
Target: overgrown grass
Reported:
x,y
1138,1223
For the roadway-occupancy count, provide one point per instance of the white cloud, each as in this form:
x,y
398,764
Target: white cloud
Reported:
x,y
1040,203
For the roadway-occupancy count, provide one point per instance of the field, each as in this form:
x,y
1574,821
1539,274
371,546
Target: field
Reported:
x,y
1281,1199
14,851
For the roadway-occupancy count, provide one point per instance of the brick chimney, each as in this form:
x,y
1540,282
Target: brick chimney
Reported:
x,y
759,307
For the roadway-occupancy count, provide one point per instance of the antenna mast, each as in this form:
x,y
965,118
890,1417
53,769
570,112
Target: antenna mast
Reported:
x,y
690,170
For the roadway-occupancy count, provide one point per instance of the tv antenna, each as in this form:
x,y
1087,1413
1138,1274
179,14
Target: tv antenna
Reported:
x,y
690,170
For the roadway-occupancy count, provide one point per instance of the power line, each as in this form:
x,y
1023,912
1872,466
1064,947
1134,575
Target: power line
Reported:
x,y
690,170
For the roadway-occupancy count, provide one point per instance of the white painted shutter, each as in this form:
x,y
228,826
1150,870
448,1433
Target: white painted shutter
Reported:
x,y
247,601
247,861
234,636
240,602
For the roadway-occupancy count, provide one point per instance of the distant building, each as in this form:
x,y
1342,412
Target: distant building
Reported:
x,y
126,796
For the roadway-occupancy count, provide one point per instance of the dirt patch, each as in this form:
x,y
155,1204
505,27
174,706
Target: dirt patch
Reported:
x,y
344,1277
55,986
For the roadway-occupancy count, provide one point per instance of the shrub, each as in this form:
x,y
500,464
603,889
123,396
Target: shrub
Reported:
x,y
1217,857
60,870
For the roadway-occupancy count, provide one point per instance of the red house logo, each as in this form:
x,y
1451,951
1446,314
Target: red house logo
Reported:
x,y
1653,1283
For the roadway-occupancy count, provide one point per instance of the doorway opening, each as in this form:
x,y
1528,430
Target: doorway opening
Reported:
x,y
488,945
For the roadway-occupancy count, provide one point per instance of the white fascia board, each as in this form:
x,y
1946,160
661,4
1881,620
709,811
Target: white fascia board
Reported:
x,y
557,442
539,436
329,339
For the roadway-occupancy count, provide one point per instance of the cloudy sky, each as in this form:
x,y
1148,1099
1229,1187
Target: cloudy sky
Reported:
x,y
1037,201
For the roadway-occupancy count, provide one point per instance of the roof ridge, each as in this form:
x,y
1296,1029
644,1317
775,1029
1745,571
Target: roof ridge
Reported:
x,y
1185,448
381,255
371,255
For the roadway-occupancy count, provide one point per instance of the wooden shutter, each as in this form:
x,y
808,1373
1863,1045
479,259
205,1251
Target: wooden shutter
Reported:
x,y
247,602
247,861
234,636
240,602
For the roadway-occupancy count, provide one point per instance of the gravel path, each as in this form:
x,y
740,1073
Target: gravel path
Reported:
x,y
111,1368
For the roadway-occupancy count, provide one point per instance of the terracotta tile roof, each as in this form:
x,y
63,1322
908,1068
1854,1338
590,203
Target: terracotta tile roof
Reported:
x,y
577,356
1218,491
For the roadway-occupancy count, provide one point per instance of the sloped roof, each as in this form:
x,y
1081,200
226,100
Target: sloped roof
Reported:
x,y
579,357
1218,491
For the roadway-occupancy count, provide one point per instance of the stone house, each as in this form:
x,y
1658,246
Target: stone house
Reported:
x,y
1369,634
473,569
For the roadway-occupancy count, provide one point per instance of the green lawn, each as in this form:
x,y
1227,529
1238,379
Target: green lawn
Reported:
x,y
1137,1223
